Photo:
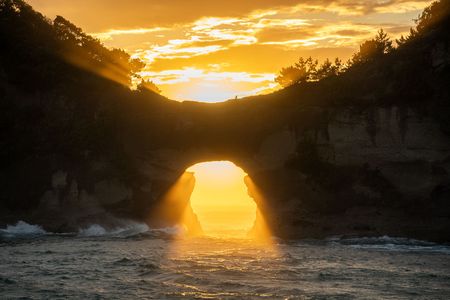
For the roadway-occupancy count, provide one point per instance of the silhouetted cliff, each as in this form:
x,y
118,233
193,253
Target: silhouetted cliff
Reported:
x,y
366,151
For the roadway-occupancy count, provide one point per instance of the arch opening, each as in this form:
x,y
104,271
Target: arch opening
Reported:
x,y
215,198
220,200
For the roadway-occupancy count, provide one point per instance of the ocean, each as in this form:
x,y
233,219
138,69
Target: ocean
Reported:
x,y
136,262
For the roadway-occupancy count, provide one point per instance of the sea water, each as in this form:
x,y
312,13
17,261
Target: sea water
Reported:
x,y
136,262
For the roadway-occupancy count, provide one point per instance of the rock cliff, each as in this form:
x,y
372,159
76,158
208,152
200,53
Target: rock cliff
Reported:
x,y
365,152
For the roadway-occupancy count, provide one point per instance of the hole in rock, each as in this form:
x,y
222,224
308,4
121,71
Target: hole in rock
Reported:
x,y
220,200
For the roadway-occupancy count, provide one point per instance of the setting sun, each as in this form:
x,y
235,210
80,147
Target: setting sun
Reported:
x,y
220,199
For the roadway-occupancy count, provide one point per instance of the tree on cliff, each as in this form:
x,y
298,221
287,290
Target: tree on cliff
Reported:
x,y
374,48
148,85
433,17
308,70
301,71
87,52
328,68
63,83
56,44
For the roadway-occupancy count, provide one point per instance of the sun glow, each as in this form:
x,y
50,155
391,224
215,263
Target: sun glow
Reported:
x,y
215,199
220,199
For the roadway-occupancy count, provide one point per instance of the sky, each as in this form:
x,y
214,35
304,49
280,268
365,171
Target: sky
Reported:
x,y
212,51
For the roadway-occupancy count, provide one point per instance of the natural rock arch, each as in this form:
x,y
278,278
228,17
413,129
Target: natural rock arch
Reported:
x,y
323,174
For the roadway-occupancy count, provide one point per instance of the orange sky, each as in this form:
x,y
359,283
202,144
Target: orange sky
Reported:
x,y
216,50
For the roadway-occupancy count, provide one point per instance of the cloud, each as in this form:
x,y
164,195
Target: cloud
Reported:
x,y
199,47
188,73
109,34
351,32
284,34
361,7
102,15
200,84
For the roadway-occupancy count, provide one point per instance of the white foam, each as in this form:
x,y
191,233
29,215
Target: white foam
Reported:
x,y
382,240
22,229
390,243
93,230
128,229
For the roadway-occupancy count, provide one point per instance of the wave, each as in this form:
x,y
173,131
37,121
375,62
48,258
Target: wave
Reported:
x,y
390,244
124,230
22,229
127,229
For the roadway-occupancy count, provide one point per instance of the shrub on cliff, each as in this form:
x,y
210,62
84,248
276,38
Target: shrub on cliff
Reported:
x,y
412,74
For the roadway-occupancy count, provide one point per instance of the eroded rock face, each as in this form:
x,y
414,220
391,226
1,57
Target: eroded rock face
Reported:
x,y
383,170
67,206
408,150
373,172
110,192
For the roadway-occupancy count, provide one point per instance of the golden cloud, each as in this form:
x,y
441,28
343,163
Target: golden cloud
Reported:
x,y
101,15
235,46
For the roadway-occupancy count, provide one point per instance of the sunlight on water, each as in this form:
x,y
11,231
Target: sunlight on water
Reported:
x,y
132,263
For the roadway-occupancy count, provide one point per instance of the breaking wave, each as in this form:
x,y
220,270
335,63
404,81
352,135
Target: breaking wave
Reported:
x,y
124,230
22,229
390,244
127,229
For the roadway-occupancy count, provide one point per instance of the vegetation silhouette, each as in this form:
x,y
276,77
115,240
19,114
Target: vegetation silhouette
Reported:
x,y
149,86
65,102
